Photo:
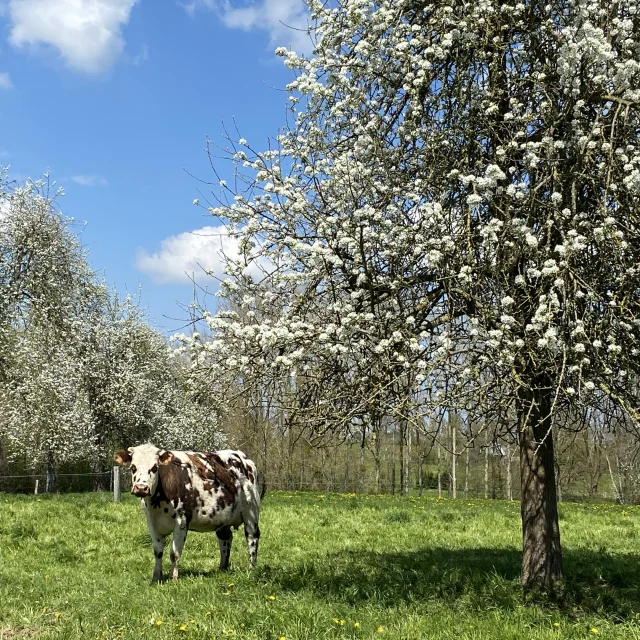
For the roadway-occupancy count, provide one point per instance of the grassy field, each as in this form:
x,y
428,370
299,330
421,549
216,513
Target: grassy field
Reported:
x,y
330,566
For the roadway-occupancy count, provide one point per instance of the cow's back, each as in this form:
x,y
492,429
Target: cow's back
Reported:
x,y
225,483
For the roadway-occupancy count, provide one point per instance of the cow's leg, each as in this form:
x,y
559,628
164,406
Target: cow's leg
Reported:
x,y
179,538
158,550
158,545
252,534
225,537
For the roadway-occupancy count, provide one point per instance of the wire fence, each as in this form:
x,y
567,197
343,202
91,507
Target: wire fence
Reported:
x,y
39,483
62,482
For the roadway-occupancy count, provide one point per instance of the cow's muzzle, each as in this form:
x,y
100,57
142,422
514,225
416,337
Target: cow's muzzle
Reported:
x,y
140,490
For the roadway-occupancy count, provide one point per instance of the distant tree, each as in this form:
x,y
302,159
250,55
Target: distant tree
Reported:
x,y
81,371
45,284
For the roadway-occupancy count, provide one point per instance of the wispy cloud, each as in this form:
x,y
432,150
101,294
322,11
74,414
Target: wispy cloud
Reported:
x,y
86,33
187,255
5,81
91,181
286,21
143,56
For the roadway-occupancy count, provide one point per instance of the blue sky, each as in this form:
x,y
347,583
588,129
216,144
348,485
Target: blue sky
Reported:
x,y
115,99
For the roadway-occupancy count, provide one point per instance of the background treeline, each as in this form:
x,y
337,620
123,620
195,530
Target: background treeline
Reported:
x,y
443,457
81,371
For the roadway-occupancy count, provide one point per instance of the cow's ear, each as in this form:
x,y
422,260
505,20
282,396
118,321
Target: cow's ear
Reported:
x,y
166,457
123,457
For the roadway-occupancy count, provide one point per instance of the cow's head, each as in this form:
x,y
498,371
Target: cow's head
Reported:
x,y
143,461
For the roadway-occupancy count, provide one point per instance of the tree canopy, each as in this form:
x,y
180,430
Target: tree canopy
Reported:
x,y
451,219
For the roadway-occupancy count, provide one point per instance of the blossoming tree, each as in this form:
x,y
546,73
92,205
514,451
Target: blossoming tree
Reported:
x,y
81,371
457,198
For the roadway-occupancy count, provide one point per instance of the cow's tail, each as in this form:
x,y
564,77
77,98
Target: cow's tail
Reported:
x,y
262,485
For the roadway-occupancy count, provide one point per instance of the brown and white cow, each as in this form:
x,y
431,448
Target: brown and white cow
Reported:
x,y
197,491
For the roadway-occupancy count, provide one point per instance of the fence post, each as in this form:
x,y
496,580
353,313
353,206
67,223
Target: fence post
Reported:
x,y
116,484
36,489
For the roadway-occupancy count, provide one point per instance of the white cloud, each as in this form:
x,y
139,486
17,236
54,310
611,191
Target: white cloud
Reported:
x,y
5,81
185,255
143,56
286,21
91,181
86,33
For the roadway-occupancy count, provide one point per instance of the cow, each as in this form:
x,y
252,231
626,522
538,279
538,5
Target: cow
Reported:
x,y
198,491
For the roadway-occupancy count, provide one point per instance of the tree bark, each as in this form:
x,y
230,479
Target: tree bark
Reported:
x,y
402,458
486,465
454,459
362,467
50,478
509,483
541,552
439,469
407,460
100,478
420,463
466,472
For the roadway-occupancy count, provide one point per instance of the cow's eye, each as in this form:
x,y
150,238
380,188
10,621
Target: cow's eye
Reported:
x,y
133,468
153,469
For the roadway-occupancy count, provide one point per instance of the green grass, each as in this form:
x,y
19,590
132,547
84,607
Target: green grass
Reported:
x,y
79,566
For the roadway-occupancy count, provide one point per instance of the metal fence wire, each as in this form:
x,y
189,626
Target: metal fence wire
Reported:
x,y
63,482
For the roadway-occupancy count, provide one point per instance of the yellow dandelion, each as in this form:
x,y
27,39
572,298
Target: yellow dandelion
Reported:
x,y
158,623
594,630
282,638
272,597
380,629
556,624
58,614
356,625
183,627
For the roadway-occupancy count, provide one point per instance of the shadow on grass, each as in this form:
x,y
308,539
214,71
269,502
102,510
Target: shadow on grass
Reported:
x,y
481,578
202,573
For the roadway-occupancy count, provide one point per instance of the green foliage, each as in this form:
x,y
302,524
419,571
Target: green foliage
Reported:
x,y
79,566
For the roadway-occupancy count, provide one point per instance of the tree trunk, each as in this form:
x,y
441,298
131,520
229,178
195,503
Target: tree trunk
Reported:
x,y
377,454
420,463
402,460
407,456
466,472
486,465
100,479
541,552
509,482
332,476
323,477
362,469
50,479
393,479
454,459
346,470
439,470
